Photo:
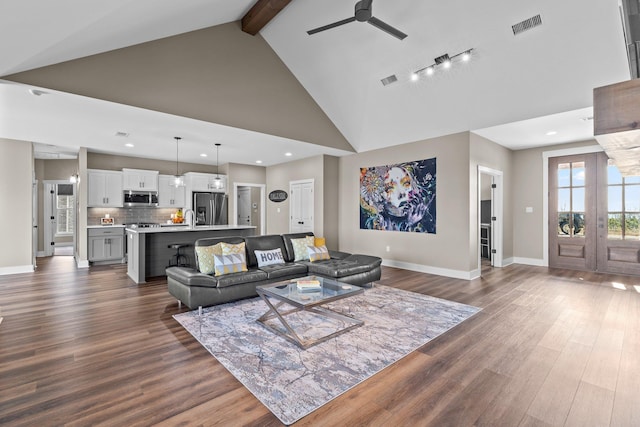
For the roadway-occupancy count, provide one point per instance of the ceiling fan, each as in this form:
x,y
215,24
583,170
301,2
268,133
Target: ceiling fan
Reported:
x,y
363,14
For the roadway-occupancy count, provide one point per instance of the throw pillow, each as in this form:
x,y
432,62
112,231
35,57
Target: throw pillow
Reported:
x,y
229,249
233,263
319,241
318,253
204,254
273,256
300,247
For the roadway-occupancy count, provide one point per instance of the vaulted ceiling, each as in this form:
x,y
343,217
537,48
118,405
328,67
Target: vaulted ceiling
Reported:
x,y
511,91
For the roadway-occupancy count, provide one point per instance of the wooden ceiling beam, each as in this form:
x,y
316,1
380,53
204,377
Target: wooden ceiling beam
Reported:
x,y
261,14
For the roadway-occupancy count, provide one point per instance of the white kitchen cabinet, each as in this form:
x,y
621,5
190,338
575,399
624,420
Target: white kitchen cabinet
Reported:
x,y
140,180
106,244
104,188
170,196
206,182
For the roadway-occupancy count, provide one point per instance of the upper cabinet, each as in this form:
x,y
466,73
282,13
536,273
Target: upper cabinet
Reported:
x,y
140,180
170,196
206,182
104,188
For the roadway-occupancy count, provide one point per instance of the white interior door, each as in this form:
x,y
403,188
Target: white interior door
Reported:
x,y
301,206
34,222
244,206
49,201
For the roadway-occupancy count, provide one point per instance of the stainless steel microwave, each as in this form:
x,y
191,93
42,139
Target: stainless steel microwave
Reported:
x,y
140,199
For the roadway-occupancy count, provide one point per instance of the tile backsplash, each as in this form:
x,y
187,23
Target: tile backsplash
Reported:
x,y
130,215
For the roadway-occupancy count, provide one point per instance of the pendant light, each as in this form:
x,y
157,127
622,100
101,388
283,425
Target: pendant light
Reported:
x,y
178,180
217,180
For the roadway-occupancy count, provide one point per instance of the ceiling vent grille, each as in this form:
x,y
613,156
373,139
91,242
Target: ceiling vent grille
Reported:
x,y
527,24
122,134
388,80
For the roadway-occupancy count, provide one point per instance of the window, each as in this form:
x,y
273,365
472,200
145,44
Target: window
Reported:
x,y
624,205
571,199
65,202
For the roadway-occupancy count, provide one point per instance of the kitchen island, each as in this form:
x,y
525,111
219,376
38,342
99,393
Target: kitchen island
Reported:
x,y
148,254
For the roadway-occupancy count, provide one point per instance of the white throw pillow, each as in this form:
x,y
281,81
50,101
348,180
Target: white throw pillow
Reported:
x,y
272,256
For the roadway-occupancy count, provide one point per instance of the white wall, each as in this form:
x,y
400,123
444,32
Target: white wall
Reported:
x,y
16,178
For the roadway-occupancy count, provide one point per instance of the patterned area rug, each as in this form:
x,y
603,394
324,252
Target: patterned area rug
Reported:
x,y
292,382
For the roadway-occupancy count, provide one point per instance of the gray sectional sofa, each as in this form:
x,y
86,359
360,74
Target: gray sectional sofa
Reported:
x,y
196,289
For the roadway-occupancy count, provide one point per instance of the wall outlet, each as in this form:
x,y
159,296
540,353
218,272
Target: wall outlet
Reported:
x,y
388,248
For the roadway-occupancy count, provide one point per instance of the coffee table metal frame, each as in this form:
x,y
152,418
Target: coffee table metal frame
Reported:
x,y
286,293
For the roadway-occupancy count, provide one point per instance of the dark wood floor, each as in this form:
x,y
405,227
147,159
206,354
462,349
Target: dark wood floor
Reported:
x,y
549,348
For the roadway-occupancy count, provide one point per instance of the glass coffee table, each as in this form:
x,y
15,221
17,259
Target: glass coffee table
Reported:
x,y
307,295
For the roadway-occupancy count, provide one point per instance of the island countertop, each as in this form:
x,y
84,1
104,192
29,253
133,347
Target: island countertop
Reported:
x,y
149,250
186,228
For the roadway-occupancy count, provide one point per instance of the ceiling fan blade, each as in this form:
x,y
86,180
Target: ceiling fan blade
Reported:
x,y
386,28
329,26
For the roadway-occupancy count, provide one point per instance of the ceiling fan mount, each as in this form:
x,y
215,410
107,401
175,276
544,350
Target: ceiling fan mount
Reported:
x,y
363,13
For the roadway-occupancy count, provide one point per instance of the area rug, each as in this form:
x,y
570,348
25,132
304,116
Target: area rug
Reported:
x,y
292,382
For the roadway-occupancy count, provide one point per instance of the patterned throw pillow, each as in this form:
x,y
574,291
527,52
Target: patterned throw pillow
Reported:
x,y
205,254
229,249
273,256
300,247
318,253
319,241
233,263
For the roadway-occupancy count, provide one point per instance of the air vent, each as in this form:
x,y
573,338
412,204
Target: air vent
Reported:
x,y
527,24
388,80
122,134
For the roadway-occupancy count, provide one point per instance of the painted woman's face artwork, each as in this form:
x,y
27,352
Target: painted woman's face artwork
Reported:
x,y
398,190
399,197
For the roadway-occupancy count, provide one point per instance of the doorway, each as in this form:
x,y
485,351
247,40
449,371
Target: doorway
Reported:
x,y
59,218
249,206
594,215
301,206
490,217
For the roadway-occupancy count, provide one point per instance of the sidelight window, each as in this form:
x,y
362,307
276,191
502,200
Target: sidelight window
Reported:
x,y
623,204
64,209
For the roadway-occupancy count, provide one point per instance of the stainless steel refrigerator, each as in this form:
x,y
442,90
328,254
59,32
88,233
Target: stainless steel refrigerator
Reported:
x,y
210,208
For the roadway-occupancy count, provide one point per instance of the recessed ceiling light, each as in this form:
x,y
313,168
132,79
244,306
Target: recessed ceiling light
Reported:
x,y
203,155
430,71
288,154
258,161
551,133
130,145
414,77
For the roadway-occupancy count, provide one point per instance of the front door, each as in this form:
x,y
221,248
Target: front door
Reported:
x,y
594,215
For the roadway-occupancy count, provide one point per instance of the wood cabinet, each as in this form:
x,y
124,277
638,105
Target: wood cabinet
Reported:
x,y
170,196
106,244
140,180
104,188
206,182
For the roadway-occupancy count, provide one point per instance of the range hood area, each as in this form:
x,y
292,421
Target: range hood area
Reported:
x,y
616,124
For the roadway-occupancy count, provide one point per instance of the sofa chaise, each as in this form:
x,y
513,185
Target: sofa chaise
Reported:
x,y
207,285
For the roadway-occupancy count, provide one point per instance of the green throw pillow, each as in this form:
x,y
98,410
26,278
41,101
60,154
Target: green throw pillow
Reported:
x,y
300,247
205,255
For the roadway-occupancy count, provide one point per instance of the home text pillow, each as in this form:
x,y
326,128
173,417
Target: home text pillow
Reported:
x,y
318,253
206,263
300,247
319,241
229,249
272,256
226,264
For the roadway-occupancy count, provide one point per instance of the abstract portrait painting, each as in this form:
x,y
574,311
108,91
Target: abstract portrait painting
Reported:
x,y
399,197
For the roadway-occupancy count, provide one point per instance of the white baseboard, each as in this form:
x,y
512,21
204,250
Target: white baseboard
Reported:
x,y
507,262
82,263
456,274
16,269
40,254
529,261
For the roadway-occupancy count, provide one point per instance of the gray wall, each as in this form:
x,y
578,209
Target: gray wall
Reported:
x,y
218,74
444,250
16,177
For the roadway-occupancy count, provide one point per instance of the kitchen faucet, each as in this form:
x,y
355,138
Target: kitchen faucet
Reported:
x,y
192,223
